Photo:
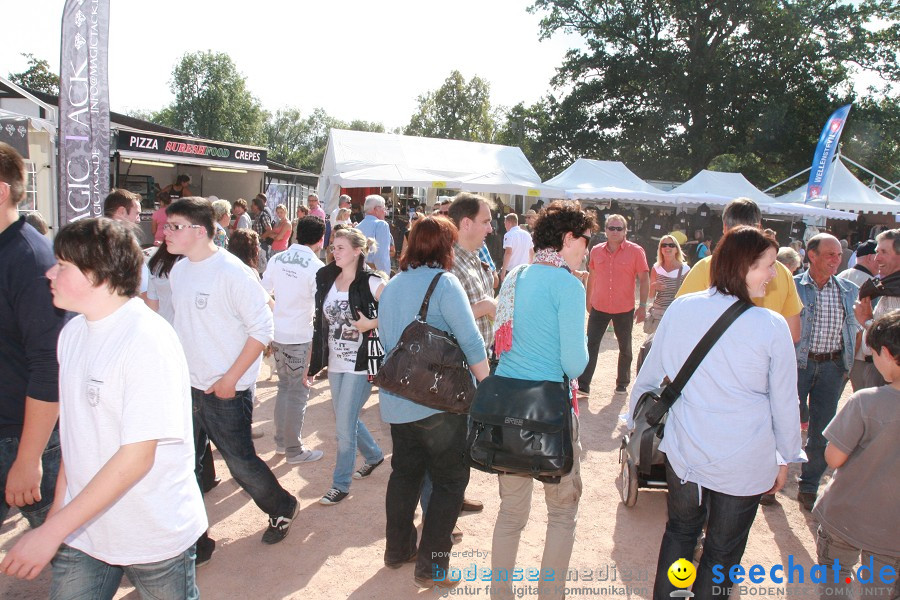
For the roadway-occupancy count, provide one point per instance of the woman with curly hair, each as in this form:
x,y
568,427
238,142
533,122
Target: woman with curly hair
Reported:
x,y
244,244
540,337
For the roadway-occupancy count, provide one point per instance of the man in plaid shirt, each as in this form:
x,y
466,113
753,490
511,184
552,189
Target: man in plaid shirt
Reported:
x,y
824,352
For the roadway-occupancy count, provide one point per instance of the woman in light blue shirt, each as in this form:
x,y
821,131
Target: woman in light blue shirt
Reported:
x,y
547,343
425,439
737,423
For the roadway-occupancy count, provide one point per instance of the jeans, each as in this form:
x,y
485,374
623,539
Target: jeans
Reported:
x,y
290,403
562,515
822,383
831,547
349,393
78,576
728,526
37,512
623,323
227,423
436,444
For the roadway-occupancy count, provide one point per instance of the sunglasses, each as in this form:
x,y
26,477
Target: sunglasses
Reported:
x,y
615,228
667,245
585,237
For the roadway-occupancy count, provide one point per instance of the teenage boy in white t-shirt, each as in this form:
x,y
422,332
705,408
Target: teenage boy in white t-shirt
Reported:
x,y
291,278
126,498
224,322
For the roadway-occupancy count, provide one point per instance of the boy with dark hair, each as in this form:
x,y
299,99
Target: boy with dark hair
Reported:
x,y
291,277
224,322
126,501
857,512
29,328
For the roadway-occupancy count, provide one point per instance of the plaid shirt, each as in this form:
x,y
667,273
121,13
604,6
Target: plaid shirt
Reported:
x,y
479,285
827,320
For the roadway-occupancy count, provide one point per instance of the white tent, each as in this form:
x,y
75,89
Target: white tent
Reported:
x,y
719,188
363,159
846,192
605,180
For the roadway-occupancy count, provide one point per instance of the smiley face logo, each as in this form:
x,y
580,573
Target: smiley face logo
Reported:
x,y
682,573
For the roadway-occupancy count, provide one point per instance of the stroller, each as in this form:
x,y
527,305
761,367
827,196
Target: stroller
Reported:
x,y
642,464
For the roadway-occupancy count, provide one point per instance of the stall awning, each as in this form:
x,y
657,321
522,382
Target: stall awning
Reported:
x,y
159,147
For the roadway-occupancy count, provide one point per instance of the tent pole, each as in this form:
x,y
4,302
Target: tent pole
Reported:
x,y
772,187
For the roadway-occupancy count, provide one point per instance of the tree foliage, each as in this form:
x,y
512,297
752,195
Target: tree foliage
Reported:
x,y
457,110
300,141
212,100
37,76
669,86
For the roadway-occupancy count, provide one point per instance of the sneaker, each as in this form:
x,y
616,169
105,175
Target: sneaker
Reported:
x,y
366,470
333,496
204,550
621,389
456,536
279,526
306,456
257,434
280,449
471,505
426,583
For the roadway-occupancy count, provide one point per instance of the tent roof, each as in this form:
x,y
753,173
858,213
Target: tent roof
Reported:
x,y
721,188
364,159
588,178
846,192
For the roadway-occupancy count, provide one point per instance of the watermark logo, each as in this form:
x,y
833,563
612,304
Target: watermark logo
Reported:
x,y
682,574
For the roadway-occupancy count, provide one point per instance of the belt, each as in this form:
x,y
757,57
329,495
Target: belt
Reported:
x,y
868,358
825,356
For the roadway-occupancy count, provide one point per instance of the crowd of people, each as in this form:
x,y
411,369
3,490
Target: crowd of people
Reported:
x,y
120,375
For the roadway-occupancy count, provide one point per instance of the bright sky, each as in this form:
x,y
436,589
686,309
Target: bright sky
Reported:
x,y
356,59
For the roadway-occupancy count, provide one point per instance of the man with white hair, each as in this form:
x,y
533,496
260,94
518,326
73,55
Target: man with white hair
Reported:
x,y
374,226
314,209
343,202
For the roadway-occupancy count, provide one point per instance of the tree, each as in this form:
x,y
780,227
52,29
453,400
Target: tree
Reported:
x,y
528,127
457,110
37,76
212,100
669,86
301,141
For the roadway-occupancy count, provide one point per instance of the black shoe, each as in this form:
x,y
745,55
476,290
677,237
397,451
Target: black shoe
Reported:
x,y
366,470
767,499
396,565
280,526
807,500
204,550
471,506
621,389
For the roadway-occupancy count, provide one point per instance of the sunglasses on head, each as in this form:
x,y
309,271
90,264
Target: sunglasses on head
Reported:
x,y
667,245
615,228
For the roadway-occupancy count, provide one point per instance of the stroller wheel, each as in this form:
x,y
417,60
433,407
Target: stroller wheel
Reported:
x,y
628,487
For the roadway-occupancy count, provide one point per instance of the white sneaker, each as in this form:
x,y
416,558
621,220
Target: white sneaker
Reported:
x,y
305,457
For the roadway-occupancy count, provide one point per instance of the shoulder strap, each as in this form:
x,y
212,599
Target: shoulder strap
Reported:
x,y
673,390
424,310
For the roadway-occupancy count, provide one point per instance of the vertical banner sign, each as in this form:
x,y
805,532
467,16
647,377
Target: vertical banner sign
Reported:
x,y
828,142
83,110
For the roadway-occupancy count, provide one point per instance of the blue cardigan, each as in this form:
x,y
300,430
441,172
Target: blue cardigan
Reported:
x,y
448,310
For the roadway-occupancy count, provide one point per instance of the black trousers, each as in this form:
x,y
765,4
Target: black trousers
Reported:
x,y
598,321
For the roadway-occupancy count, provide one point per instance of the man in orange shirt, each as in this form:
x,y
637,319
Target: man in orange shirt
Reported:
x,y
614,266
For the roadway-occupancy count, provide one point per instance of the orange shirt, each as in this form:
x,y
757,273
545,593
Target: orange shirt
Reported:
x,y
614,276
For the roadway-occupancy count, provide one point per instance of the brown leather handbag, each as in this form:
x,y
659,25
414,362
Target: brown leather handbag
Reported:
x,y
427,366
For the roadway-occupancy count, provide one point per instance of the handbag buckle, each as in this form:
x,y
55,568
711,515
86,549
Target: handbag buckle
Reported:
x,y
415,347
405,379
433,389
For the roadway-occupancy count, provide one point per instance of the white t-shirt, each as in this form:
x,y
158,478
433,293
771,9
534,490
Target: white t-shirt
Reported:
x,y
124,379
520,241
244,222
291,277
343,338
219,303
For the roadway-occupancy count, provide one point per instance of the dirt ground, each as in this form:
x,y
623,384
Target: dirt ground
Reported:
x,y
336,551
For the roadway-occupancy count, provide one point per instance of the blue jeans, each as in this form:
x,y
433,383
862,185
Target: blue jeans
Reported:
x,y
728,526
349,393
37,512
78,576
293,395
436,444
227,423
822,383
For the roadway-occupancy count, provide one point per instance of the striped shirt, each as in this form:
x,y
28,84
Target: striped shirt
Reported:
x,y
670,282
478,282
828,319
